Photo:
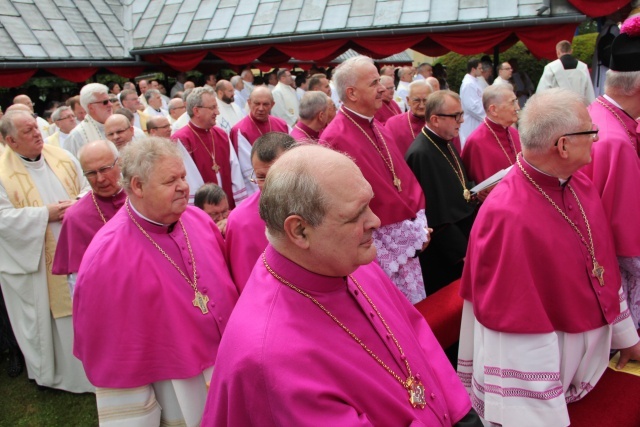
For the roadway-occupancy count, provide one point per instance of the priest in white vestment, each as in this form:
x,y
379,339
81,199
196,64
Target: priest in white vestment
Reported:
x,y
287,106
94,98
38,183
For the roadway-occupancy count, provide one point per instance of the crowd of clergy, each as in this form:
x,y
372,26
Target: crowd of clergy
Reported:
x,y
244,254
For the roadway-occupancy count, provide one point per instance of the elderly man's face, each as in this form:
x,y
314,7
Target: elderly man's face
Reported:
x,y
67,121
178,109
506,110
99,110
260,106
344,239
27,139
118,132
331,111
387,95
417,100
79,112
368,90
217,212
155,101
205,114
165,195
102,170
143,86
130,102
162,129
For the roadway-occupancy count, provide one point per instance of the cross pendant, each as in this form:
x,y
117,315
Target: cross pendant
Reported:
x,y
397,183
215,168
598,272
200,301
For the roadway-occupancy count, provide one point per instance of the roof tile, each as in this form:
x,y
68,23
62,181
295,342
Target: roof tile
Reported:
x,y
197,31
9,48
335,17
228,3
362,8
502,9
181,23
94,45
174,38
308,26
75,19
443,11
222,19
290,4
206,9
260,30
246,7
143,28
18,30
7,8
105,35
337,2
189,6
360,22
266,14
78,52
387,13
465,4
32,16
64,3
64,32
51,44
49,9
215,34
239,26
473,14
312,10
86,8
153,10
32,51
139,6
286,21
168,14
101,7
414,18
158,33
415,6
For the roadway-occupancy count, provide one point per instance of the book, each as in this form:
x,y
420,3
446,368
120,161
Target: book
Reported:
x,y
492,181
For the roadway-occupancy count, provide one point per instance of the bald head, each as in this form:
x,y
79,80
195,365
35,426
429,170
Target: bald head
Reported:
x,y
159,126
118,130
19,107
94,149
434,83
23,100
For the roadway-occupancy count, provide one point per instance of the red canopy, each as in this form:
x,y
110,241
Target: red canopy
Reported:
x,y
598,8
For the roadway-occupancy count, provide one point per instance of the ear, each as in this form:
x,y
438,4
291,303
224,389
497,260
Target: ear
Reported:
x,y
351,94
296,228
10,140
562,148
136,187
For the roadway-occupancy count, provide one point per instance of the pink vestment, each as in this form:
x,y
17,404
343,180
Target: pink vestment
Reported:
x,y
615,172
483,154
204,146
133,315
390,205
404,128
527,270
253,129
303,133
388,110
81,222
283,361
245,239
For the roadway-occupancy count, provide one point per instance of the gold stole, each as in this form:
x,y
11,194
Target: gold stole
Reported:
x,y
23,193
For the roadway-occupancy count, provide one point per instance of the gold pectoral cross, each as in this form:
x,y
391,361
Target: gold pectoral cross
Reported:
x,y
397,183
598,272
201,301
215,168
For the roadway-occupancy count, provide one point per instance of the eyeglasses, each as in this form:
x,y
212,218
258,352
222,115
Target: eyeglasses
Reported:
x,y
103,170
256,179
457,116
593,132
105,102
117,132
71,116
208,108
419,100
158,127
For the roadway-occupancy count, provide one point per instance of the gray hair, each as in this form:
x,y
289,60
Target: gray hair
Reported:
x,y
436,100
235,80
313,103
195,98
494,94
292,190
172,103
7,127
269,146
88,94
140,156
150,92
546,117
624,82
55,116
345,76
210,194
110,145
419,83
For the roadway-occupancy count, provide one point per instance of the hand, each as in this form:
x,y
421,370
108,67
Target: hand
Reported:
x,y
222,225
626,354
425,244
57,210
482,195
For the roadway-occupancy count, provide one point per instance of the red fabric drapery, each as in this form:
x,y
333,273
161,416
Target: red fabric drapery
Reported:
x,y
183,61
240,55
383,46
13,78
541,40
313,49
76,75
128,72
597,8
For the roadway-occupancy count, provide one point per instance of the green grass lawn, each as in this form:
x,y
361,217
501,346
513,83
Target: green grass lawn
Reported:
x,y
22,404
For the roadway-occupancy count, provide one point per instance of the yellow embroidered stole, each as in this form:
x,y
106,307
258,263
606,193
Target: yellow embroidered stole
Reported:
x,y
22,193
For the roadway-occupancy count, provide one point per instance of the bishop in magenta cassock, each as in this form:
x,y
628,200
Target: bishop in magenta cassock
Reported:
x,y
278,363
494,144
257,123
316,112
153,296
82,221
210,147
407,126
245,236
537,332
389,107
399,201
615,169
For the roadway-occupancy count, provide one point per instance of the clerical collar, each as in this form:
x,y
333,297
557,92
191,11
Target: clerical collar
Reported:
x,y
145,218
357,114
611,100
198,127
435,133
562,181
26,159
496,123
158,110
